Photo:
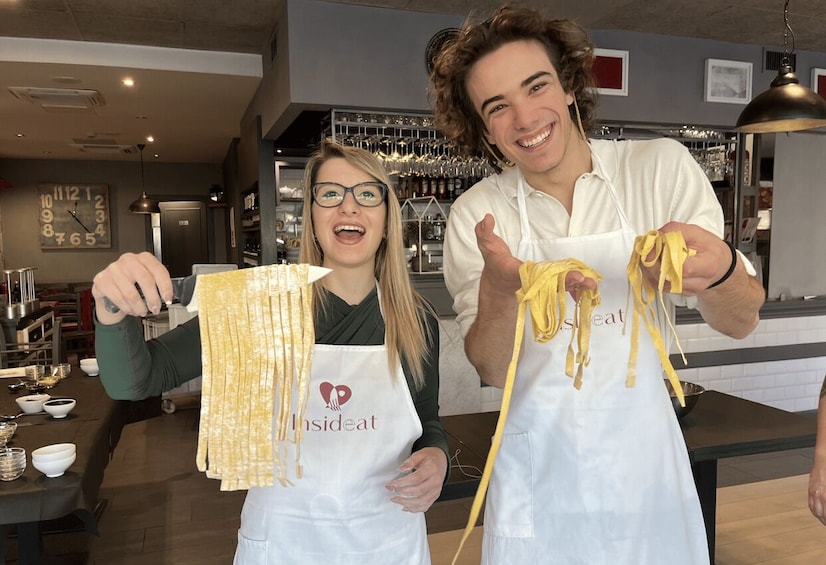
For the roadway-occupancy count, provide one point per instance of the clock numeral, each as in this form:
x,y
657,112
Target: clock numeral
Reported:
x,y
60,238
47,230
100,230
100,202
46,216
100,216
46,201
75,239
90,239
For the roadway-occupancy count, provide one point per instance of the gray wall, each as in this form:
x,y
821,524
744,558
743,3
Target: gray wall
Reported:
x,y
19,210
798,240
343,55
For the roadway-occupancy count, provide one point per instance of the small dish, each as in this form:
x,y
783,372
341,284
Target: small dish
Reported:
x,y
7,430
59,407
12,463
90,366
32,403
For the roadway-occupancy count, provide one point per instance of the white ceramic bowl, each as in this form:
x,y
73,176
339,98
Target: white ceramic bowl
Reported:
x,y
90,366
32,403
54,452
54,468
59,407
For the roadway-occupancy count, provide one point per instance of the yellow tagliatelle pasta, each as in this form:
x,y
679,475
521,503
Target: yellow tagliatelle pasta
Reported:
x,y
543,295
670,248
257,338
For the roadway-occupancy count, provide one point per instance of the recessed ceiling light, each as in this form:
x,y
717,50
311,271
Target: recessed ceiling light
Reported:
x,y
21,135
150,139
128,82
278,151
156,156
141,118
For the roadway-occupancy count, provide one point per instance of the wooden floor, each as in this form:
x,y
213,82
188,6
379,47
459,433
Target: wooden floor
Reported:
x,y
161,510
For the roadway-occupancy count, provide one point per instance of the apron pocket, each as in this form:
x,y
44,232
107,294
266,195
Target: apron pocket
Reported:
x,y
250,552
509,510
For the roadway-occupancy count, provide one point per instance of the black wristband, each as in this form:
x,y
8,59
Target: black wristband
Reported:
x,y
731,268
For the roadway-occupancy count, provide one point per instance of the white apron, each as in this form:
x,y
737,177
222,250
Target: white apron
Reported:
x,y
360,426
597,476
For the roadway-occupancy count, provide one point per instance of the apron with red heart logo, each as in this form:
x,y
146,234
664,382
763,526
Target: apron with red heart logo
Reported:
x,y
359,427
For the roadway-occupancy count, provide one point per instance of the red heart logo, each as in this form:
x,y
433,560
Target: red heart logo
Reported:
x,y
334,395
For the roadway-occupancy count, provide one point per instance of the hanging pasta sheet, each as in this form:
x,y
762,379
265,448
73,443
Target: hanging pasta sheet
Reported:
x,y
257,338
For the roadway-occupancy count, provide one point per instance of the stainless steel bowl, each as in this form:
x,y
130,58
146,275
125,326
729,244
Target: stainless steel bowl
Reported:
x,y
691,392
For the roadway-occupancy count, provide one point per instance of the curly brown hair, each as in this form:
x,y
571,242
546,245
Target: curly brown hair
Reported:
x,y
568,45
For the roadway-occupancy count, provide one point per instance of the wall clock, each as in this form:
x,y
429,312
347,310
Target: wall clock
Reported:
x,y
74,216
438,42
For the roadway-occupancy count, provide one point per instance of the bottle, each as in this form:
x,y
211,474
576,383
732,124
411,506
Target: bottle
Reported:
x,y
441,189
438,228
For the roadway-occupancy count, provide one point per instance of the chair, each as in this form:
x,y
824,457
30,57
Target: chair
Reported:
x,y
77,328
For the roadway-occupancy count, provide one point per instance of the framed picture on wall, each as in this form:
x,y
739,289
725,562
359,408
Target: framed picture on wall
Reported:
x,y
728,82
819,81
611,72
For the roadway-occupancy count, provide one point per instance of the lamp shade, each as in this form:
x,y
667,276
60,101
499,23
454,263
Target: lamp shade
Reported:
x,y
785,106
144,205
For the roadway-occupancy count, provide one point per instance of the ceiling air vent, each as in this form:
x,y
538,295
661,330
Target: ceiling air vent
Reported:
x,y
773,59
60,99
103,146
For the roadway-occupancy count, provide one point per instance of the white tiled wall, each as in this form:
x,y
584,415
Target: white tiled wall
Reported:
x,y
789,385
792,385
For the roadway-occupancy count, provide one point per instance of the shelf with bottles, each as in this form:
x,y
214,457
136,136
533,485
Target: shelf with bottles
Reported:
x,y
414,153
250,209
423,228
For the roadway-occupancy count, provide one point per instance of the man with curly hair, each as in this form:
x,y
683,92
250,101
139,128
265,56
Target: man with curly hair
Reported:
x,y
598,475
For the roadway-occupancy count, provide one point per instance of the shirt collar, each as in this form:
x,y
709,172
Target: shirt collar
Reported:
x,y
604,167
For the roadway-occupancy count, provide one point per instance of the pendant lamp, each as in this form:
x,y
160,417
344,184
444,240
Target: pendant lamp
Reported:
x,y
144,204
786,105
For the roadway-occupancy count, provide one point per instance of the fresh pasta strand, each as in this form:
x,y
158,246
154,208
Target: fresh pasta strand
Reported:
x,y
671,248
257,337
543,297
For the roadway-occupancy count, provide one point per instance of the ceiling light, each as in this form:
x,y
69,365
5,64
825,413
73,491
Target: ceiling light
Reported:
x,y
144,204
150,139
21,135
786,105
128,82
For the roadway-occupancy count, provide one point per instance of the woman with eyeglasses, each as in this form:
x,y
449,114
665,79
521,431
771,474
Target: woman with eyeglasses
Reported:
x,y
365,490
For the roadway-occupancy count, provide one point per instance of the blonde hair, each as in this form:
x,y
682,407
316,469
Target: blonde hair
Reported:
x,y
405,311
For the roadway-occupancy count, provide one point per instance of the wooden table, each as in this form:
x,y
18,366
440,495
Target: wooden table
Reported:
x,y
720,426
94,426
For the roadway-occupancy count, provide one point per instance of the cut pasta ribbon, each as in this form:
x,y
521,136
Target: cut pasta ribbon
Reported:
x,y
670,248
543,291
257,339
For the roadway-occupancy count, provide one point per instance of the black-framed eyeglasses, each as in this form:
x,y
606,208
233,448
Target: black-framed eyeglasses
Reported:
x,y
368,194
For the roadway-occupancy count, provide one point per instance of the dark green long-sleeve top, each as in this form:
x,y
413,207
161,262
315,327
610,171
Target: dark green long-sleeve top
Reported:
x,y
133,369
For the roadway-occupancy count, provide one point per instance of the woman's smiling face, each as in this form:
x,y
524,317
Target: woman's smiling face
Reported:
x,y
349,234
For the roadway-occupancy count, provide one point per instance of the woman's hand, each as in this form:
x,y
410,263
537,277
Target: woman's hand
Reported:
x,y
117,283
420,488
817,493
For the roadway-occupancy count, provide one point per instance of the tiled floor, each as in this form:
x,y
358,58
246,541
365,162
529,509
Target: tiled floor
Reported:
x,y
162,510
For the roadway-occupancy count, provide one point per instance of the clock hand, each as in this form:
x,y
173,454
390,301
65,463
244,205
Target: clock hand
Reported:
x,y
74,215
